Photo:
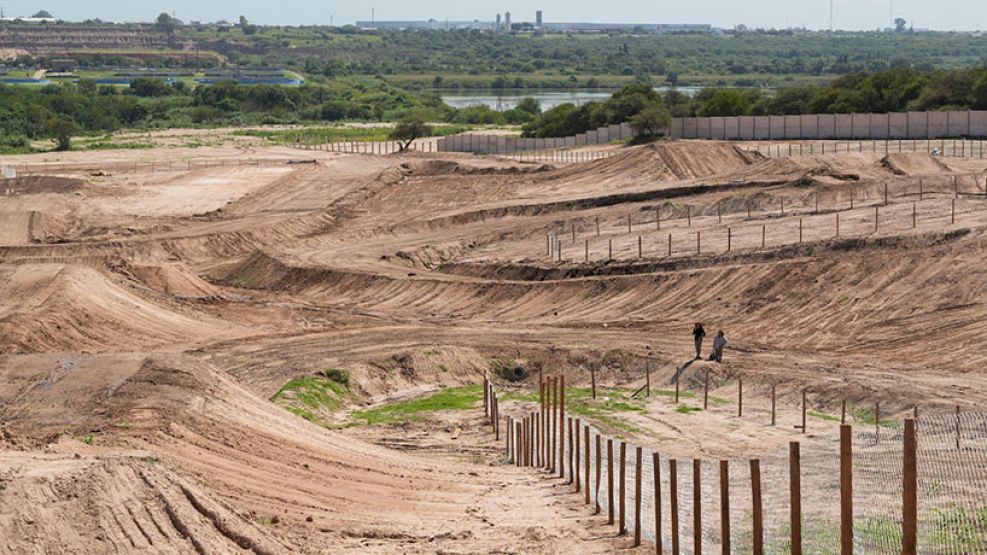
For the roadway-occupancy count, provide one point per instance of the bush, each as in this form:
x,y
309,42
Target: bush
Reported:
x,y
342,377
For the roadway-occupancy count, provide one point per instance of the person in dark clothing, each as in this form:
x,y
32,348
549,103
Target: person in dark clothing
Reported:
x,y
699,333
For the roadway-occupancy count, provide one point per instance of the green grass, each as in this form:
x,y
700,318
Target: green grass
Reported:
x,y
823,416
454,398
686,409
866,416
606,408
87,439
311,397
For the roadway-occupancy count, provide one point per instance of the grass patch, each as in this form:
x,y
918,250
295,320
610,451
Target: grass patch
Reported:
x,y
87,439
605,409
682,394
107,145
312,397
453,398
866,416
823,416
686,409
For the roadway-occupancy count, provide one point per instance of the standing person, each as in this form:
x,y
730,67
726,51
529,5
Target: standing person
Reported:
x,y
699,333
719,342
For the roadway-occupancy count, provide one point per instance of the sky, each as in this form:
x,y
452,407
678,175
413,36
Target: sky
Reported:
x,y
814,14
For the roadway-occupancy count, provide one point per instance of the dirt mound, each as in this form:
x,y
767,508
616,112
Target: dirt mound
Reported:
x,y
37,184
665,160
913,164
56,307
448,167
174,279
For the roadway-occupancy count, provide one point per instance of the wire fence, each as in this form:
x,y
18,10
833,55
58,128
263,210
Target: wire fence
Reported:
x,y
383,148
956,148
764,221
784,502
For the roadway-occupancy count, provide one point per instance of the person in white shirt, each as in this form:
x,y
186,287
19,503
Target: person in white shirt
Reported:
x,y
719,342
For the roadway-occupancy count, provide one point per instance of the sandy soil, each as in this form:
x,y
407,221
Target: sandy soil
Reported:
x,y
149,314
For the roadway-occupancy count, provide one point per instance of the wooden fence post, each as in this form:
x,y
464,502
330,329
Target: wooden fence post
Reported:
x,y
574,466
673,493
795,489
725,506
610,519
610,251
843,412
597,226
706,392
517,448
757,509
592,376
587,250
656,465
572,474
599,472
877,422
647,378
774,404
740,397
697,507
561,424
910,491
804,406
543,426
486,396
846,490
957,427
622,491
637,495
586,457
676,386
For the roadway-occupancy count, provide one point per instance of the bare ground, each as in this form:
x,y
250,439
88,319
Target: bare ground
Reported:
x,y
148,316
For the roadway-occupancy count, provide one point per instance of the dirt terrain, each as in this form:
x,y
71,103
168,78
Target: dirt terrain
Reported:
x,y
151,310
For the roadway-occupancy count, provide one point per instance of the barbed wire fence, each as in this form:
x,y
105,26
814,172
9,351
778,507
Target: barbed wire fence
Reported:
x,y
884,487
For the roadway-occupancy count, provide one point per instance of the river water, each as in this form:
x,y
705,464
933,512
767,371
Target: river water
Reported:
x,y
506,99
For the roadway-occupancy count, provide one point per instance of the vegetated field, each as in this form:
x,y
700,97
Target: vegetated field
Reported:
x,y
267,345
553,59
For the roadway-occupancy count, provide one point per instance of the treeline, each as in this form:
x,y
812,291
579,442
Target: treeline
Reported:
x,y
738,58
893,90
28,113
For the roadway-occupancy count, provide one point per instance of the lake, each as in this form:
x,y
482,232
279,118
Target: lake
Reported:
x,y
504,100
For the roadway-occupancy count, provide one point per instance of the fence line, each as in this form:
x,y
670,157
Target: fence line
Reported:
x,y
806,218
956,148
899,491
384,148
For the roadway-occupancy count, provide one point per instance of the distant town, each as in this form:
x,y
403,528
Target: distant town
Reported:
x,y
504,24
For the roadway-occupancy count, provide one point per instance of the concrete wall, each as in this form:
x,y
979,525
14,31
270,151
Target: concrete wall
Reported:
x,y
911,125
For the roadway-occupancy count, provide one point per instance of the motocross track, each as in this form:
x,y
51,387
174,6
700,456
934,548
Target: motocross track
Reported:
x,y
148,317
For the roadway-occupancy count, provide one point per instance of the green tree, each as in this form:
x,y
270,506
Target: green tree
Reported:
x,y
61,131
148,87
651,121
410,128
43,14
167,23
530,105
980,93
